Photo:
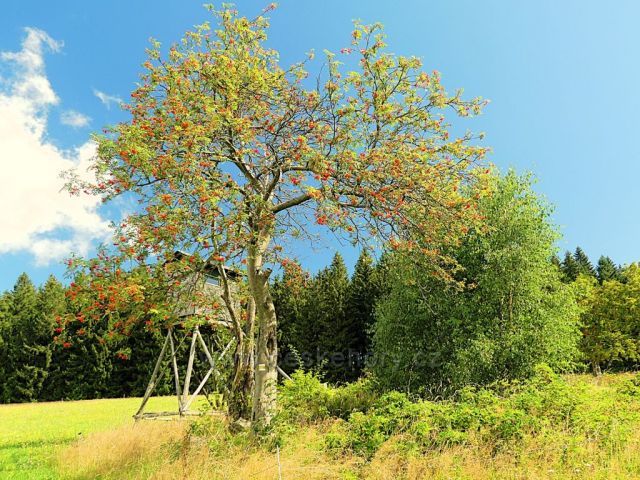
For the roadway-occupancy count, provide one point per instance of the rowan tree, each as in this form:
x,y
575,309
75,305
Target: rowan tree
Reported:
x,y
230,155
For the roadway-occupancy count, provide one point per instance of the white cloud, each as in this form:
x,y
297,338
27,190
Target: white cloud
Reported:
x,y
74,119
29,65
107,99
35,216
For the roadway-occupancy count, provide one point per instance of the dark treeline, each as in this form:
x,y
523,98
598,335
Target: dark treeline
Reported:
x,y
33,366
326,324
578,263
325,320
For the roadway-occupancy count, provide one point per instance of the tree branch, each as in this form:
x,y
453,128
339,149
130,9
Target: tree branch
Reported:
x,y
291,203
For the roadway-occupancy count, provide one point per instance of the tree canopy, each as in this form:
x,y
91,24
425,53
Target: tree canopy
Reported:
x,y
229,155
510,312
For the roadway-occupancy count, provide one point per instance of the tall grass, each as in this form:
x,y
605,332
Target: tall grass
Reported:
x,y
32,433
153,451
576,427
597,438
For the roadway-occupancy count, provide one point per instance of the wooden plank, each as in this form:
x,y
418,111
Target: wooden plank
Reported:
x,y
187,378
174,414
154,375
226,349
206,350
283,373
197,391
176,374
164,414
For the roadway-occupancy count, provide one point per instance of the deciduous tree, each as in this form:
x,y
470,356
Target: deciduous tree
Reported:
x,y
229,154
611,320
509,313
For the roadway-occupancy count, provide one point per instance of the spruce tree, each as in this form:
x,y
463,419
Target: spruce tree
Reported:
x,y
361,297
334,332
607,270
5,339
52,304
569,268
305,335
28,353
584,265
80,370
290,296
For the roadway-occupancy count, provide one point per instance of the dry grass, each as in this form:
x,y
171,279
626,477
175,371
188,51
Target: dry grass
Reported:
x,y
162,451
172,450
536,459
133,450
299,460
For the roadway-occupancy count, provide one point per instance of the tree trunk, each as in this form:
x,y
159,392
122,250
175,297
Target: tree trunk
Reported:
x,y
266,373
240,392
597,371
240,399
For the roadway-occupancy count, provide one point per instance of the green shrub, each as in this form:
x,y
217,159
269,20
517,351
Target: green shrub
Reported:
x,y
630,387
501,416
305,398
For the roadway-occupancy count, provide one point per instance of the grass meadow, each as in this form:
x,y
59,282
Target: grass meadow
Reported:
x,y
98,439
31,434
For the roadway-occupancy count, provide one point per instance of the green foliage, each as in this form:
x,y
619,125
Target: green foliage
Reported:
x,y
305,399
508,311
500,416
611,320
324,320
631,387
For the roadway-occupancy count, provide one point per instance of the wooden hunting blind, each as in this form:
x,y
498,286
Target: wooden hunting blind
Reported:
x,y
205,284
205,281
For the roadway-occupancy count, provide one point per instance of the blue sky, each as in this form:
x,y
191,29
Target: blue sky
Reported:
x,y
562,78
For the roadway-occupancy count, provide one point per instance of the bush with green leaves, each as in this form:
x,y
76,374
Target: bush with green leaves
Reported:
x,y
305,398
501,416
506,311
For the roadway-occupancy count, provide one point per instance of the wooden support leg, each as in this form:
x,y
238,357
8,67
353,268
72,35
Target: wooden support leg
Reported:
x,y
226,349
176,373
197,391
283,373
187,378
205,349
154,376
